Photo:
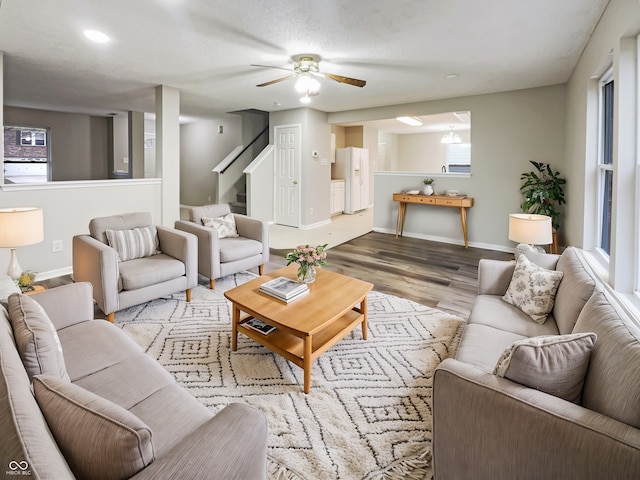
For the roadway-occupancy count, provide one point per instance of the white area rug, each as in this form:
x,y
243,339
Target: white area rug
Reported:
x,y
368,415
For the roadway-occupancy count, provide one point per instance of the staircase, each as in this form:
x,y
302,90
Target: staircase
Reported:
x,y
240,205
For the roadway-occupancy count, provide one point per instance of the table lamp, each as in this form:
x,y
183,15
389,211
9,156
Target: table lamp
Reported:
x,y
529,230
20,227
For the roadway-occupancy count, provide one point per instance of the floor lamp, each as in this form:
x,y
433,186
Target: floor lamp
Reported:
x,y
529,230
20,227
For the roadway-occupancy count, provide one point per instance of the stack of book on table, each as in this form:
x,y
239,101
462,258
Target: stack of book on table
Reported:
x,y
284,289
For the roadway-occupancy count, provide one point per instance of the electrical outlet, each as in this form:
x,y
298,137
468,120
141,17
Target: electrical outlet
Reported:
x,y
56,246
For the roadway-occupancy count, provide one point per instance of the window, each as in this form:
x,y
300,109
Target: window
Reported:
x,y
34,138
26,155
605,163
459,158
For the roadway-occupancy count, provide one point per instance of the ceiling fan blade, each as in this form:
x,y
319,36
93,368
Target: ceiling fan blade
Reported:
x,y
349,81
276,81
272,66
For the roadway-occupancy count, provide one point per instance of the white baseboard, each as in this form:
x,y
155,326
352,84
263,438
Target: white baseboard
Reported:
x,y
54,273
452,241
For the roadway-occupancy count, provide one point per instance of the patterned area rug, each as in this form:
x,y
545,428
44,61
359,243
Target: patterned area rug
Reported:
x,y
368,415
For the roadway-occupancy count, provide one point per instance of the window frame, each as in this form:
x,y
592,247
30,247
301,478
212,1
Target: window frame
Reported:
x,y
605,166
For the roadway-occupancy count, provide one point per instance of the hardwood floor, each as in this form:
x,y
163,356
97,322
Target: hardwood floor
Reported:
x,y
435,274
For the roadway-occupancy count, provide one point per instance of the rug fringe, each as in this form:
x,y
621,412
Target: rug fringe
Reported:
x,y
413,468
276,471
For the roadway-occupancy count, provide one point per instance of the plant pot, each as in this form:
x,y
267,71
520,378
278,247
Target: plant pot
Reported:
x,y
428,190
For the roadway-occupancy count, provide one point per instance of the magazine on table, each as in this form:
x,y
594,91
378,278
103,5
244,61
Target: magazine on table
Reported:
x,y
287,300
259,326
284,288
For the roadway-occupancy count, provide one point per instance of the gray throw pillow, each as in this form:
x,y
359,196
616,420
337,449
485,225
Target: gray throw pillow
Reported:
x,y
225,225
554,364
98,438
36,338
134,243
533,289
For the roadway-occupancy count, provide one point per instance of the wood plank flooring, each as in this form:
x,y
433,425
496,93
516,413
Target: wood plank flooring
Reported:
x,y
435,274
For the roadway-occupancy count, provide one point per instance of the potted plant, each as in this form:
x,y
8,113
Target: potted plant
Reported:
x,y
543,193
428,186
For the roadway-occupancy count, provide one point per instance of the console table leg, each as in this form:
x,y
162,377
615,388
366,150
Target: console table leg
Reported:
x,y
402,209
463,219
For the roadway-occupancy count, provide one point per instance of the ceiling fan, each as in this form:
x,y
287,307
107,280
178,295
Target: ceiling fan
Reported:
x,y
305,67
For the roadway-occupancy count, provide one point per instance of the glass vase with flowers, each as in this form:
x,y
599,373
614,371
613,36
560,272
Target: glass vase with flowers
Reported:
x,y
307,258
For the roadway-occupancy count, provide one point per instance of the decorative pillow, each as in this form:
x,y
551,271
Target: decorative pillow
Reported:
x,y
98,438
225,225
36,338
554,364
533,289
134,243
7,287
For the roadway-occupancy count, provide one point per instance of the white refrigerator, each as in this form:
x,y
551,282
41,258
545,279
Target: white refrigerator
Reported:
x,y
352,164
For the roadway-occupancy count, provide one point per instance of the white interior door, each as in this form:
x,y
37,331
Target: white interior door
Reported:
x,y
287,175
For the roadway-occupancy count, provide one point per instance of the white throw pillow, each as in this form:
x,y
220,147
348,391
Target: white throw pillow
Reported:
x,y
134,243
7,287
533,289
225,225
554,364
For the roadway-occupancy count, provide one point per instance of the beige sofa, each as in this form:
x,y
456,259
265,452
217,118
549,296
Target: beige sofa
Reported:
x,y
487,427
136,420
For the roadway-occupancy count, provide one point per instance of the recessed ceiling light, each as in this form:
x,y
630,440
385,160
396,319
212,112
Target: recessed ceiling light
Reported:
x,y
413,121
451,76
96,36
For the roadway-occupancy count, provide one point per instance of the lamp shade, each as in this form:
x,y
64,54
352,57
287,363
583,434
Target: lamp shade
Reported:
x,y
21,226
529,228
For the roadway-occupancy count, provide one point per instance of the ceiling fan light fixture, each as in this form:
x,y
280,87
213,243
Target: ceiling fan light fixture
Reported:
x,y
413,121
451,137
306,83
306,98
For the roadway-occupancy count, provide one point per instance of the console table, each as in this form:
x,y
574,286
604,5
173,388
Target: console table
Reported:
x,y
461,202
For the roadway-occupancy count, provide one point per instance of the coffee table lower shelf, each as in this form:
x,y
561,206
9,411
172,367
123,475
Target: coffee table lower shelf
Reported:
x,y
303,350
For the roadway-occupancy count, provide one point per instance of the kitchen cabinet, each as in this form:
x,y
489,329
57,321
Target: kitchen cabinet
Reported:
x,y
337,196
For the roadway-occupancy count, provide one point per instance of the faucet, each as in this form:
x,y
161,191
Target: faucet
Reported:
x,y
444,169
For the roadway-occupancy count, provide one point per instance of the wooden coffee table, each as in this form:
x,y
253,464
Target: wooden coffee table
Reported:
x,y
307,327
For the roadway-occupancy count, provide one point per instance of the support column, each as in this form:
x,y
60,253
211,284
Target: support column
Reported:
x,y
136,144
168,151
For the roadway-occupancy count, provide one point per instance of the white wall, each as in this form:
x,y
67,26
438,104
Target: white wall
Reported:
x,y
424,152
67,212
508,130
201,149
621,19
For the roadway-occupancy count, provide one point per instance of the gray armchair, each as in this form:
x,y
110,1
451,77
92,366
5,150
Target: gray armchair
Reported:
x,y
121,284
218,257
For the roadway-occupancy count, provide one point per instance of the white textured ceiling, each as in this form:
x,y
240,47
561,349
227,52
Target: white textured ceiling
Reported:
x,y
402,48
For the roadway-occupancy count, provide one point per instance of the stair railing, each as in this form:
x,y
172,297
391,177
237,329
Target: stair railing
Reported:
x,y
266,129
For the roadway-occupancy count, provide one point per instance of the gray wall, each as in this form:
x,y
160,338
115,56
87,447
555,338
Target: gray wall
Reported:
x,y
201,149
79,143
316,172
508,130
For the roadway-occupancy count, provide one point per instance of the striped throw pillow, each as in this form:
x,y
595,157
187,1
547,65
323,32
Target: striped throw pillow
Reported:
x,y
134,243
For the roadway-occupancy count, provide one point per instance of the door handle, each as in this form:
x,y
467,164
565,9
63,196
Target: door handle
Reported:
x,y
295,182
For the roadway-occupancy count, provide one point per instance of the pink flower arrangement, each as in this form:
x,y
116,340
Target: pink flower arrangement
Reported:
x,y
308,256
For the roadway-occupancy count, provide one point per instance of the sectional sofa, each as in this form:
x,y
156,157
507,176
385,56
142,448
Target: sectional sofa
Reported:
x,y
84,401
566,406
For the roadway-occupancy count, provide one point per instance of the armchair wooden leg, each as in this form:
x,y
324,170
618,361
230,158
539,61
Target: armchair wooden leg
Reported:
x,y
111,317
261,269
212,283
188,292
